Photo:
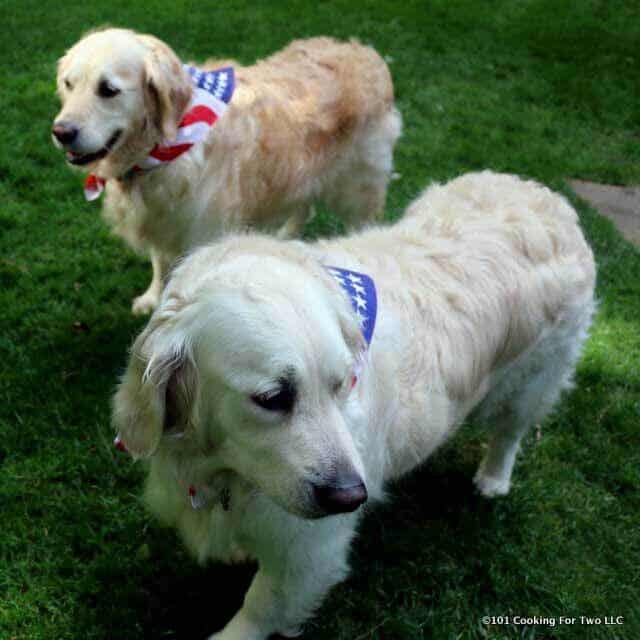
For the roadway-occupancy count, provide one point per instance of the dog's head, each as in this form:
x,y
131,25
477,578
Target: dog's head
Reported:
x,y
250,357
121,94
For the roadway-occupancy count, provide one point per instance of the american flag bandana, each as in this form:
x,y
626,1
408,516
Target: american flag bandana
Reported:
x,y
212,92
361,291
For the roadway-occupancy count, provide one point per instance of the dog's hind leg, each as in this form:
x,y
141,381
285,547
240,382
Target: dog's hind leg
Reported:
x,y
148,301
294,225
526,394
493,477
359,190
362,199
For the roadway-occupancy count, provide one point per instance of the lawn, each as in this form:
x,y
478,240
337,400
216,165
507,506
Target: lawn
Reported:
x,y
543,88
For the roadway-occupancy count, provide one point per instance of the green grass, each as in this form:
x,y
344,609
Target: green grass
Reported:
x,y
543,88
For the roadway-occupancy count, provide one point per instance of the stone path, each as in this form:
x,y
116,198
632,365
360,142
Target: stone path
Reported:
x,y
620,204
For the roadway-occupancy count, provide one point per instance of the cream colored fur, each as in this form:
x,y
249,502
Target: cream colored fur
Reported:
x,y
485,293
315,121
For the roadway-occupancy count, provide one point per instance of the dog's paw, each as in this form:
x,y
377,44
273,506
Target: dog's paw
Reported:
x,y
144,304
491,487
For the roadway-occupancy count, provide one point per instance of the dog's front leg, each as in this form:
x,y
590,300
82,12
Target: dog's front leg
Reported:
x,y
148,301
294,576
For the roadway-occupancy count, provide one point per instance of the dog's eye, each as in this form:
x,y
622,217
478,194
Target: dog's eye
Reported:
x,y
68,85
105,90
280,399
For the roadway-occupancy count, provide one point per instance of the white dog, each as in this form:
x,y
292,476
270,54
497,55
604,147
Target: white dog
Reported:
x,y
270,393
314,121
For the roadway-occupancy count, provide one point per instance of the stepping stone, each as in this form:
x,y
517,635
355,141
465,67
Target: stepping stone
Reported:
x,y
619,204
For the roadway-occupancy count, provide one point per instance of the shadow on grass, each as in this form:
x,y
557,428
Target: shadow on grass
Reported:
x,y
166,595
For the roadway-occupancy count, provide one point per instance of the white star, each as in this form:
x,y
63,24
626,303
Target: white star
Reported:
x,y
361,302
355,278
358,289
362,319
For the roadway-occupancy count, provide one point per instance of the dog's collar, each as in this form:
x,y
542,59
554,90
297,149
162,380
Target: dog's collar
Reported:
x,y
199,496
361,291
212,93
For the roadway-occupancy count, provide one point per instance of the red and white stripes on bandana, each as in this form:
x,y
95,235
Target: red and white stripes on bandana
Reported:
x,y
212,94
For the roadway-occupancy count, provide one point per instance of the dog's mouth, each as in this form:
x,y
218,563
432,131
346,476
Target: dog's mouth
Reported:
x,y
86,158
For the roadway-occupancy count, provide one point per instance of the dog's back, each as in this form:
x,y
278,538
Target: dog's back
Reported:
x,y
338,85
534,220
479,269
323,125
516,244
491,286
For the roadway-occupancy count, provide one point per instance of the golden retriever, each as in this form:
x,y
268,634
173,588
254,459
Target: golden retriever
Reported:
x,y
315,121
269,420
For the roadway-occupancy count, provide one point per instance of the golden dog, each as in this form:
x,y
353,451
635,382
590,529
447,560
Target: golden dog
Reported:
x,y
315,121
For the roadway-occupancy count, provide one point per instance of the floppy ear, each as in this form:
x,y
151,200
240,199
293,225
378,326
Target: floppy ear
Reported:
x,y
167,86
156,396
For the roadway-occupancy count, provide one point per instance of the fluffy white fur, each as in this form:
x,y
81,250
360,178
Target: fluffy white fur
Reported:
x,y
315,121
486,293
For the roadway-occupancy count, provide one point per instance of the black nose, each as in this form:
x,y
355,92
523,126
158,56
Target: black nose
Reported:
x,y
65,133
340,497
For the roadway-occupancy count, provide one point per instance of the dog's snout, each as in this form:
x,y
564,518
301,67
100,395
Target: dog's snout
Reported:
x,y
64,132
341,496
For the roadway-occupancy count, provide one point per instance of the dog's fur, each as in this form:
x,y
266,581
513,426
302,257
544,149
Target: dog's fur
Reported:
x,y
485,293
315,121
